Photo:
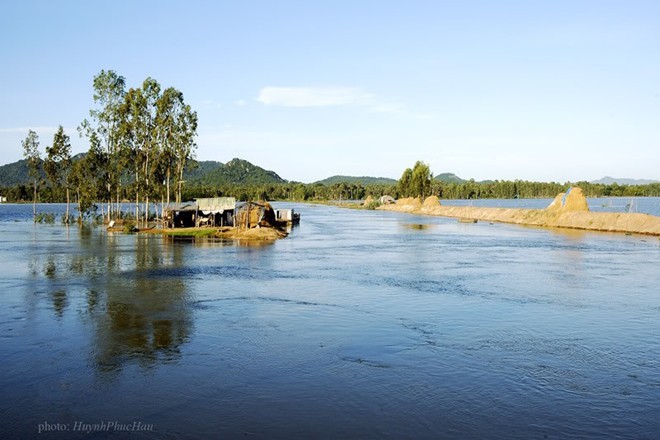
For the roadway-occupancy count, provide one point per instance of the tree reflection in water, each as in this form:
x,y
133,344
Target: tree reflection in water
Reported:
x,y
146,318
131,291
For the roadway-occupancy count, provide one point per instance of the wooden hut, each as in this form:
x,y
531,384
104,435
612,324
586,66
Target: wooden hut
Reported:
x,y
216,211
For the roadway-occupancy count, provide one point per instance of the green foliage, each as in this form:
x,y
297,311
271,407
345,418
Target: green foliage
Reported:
x,y
236,171
197,170
45,217
129,226
372,205
58,158
58,165
68,219
449,178
364,180
416,182
143,139
18,173
196,233
31,154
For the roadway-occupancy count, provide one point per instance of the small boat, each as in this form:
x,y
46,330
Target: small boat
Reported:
x,y
467,220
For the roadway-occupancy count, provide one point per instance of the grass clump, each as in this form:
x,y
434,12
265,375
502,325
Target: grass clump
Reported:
x,y
45,217
129,226
192,232
372,205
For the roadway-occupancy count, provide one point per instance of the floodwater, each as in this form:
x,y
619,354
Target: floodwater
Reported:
x,y
360,324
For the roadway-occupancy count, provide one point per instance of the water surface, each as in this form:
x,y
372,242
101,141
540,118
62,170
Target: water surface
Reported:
x,y
361,324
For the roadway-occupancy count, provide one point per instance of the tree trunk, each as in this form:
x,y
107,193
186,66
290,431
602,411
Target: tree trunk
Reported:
x,y
137,196
79,207
34,202
168,186
67,205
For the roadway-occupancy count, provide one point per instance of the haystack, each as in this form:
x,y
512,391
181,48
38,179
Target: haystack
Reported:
x,y
572,200
368,200
412,202
431,202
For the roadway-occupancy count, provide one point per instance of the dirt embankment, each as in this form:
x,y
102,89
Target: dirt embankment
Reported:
x,y
251,234
568,210
229,233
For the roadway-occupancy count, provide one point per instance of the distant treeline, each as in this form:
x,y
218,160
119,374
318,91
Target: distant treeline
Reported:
x,y
504,189
499,189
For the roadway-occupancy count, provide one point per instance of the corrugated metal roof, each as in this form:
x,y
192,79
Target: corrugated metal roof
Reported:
x,y
216,203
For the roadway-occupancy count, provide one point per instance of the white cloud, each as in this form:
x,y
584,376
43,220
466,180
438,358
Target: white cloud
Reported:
x,y
241,102
332,96
312,96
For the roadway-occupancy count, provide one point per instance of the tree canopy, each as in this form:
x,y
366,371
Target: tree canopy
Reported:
x,y
416,182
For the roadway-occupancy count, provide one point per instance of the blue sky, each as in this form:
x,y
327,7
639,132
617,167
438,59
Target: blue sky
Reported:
x,y
537,90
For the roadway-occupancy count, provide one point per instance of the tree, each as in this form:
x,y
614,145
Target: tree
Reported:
x,y
421,180
176,132
88,178
109,91
405,183
416,182
58,164
31,153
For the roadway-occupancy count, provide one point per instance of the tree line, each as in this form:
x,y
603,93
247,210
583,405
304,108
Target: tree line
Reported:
x,y
142,139
295,191
140,142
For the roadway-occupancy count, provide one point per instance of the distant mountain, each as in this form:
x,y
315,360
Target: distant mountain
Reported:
x,y
607,180
16,173
200,169
236,171
449,178
208,172
364,180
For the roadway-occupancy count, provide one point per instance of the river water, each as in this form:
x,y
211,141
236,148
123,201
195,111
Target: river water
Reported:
x,y
360,324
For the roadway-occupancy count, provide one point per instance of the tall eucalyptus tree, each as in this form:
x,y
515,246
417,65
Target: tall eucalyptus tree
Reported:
x,y
109,91
177,129
31,154
58,164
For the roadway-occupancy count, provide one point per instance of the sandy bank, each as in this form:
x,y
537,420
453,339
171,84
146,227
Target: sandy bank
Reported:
x,y
572,214
224,233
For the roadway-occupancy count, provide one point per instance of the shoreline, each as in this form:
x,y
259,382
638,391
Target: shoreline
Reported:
x,y
226,233
629,223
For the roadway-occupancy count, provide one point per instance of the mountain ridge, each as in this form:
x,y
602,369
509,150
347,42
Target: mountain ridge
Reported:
x,y
365,180
608,180
239,171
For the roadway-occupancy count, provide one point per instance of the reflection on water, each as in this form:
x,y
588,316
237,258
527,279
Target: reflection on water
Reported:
x,y
139,312
143,321
212,242
417,226
360,324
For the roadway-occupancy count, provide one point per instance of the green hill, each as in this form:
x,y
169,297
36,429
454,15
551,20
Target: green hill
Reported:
x,y
199,169
236,171
449,178
207,172
16,173
364,180
607,180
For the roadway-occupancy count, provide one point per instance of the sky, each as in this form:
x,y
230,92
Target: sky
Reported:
x,y
533,90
